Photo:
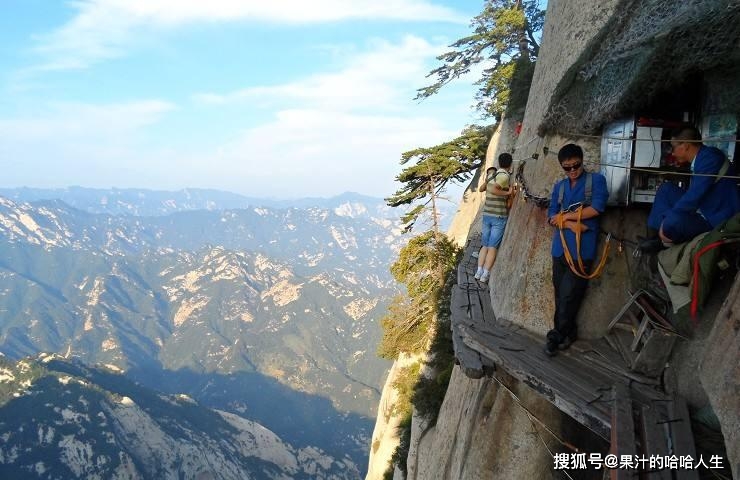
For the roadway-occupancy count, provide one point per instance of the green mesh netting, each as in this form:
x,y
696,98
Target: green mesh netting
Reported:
x,y
648,46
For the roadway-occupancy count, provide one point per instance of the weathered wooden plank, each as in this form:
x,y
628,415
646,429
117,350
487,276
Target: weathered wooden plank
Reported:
x,y
623,341
476,312
634,321
619,370
576,382
562,396
612,341
655,352
462,279
469,360
640,332
681,436
459,307
565,372
618,317
488,315
600,347
654,438
570,362
623,430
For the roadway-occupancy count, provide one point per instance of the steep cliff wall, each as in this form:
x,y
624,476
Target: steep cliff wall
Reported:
x,y
482,430
385,434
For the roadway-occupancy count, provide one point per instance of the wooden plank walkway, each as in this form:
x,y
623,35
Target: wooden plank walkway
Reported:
x,y
590,382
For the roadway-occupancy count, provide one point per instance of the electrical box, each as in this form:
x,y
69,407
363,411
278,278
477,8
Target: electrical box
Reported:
x,y
616,159
648,147
632,156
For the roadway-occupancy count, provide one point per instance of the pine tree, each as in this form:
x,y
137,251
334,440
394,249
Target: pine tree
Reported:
x,y
432,168
504,42
422,266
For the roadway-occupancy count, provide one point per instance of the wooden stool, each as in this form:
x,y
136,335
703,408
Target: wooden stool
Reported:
x,y
641,335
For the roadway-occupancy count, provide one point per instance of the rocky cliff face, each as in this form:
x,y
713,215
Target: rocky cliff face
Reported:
x,y
61,419
267,313
484,430
385,434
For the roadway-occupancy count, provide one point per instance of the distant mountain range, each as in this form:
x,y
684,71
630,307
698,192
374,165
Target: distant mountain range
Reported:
x,y
142,202
61,419
266,313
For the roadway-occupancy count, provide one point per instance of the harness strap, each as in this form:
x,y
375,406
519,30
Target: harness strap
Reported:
x,y
723,170
580,269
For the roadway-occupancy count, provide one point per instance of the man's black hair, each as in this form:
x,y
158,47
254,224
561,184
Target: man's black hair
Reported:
x,y
570,151
504,160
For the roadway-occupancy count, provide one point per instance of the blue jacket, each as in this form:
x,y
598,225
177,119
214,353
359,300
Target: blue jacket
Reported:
x,y
589,238
715,200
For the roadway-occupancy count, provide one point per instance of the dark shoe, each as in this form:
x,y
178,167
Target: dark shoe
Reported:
x,y
551,349
650,245
565,344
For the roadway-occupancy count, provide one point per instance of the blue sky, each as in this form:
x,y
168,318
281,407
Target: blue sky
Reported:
x,y
283,98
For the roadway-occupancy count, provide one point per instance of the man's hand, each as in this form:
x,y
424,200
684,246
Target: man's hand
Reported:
x,y
575,227
557,219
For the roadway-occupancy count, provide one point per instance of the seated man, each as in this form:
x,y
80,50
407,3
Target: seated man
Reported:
x,y
678,214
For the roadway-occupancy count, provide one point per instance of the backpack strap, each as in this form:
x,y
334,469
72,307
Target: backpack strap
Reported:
x,y
588,193
500,171
561,195
723,170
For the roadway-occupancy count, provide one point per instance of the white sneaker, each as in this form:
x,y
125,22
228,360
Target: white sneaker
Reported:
x,y
484,277
478,273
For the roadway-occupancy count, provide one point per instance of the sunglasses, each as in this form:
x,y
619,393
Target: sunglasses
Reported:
x,y
572,167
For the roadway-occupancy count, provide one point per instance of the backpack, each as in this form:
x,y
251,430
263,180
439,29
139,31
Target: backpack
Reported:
x,y
510,198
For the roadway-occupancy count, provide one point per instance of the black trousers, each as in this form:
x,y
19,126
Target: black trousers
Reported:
x,y
569,292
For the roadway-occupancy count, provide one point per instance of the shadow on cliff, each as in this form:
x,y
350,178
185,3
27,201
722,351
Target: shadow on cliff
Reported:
x,y
299,418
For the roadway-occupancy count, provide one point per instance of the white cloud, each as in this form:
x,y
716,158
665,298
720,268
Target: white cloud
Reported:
x,y
327,133
309,152
72,144
73,122
347,128
377,79
105,28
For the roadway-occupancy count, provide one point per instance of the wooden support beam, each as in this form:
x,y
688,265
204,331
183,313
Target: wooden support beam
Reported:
x,y
681,436
469,360
657,348
654,436
623,429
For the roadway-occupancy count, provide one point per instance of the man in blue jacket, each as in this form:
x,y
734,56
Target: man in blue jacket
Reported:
x,y
681,214
588,191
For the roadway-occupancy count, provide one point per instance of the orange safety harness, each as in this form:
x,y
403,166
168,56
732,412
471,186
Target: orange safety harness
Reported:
x,y
580,268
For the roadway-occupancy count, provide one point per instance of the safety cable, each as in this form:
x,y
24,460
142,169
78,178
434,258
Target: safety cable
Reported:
x,y
708,139
531,416
540,201
532,419
547,151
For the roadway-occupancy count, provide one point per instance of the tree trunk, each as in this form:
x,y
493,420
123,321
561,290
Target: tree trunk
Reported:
x,y
522,34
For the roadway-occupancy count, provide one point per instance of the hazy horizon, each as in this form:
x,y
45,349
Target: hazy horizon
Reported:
x,y
269,100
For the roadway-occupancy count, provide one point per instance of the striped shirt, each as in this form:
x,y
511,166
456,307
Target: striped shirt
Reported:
x,y
495,204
